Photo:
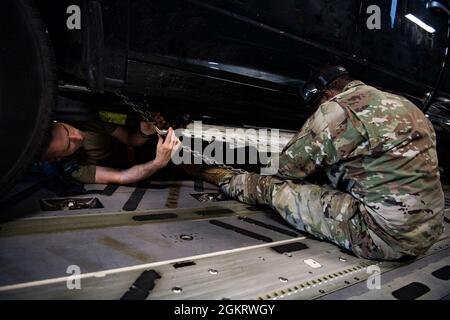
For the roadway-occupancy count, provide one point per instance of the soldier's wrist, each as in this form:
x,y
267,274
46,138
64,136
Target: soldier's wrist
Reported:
x,y
158,163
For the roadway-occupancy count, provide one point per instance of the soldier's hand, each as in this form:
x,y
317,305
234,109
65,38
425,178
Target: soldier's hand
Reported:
x,y
166,147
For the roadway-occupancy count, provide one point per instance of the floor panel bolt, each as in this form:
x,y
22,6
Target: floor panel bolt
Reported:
x,y
283,279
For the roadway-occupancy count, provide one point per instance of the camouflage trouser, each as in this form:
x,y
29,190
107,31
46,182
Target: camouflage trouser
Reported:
x,y
319,210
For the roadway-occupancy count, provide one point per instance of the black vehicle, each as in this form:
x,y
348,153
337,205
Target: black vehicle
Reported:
x,y
239,61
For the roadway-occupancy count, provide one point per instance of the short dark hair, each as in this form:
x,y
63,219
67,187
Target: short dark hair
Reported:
x,y
340,83
337,85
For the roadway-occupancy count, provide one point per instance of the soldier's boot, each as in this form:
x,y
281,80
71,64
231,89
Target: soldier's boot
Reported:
x,y
214,175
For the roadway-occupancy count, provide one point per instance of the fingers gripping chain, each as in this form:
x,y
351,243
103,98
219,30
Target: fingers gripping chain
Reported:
x,y
146,115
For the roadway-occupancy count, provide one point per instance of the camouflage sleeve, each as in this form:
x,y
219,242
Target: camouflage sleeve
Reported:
x,y
326,138
85,174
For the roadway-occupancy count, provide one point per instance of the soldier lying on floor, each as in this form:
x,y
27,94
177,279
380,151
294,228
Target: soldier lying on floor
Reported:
x,y
99,150
378,150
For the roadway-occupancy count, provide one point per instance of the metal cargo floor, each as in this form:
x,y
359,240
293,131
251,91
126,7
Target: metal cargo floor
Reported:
x,y
200,250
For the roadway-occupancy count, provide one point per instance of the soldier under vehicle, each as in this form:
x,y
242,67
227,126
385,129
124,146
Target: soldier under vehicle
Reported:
x,y
99,151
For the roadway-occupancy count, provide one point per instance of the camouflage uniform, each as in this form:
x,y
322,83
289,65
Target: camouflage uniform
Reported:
x,y
378,151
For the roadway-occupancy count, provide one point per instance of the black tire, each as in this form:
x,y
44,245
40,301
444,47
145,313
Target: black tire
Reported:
x,y
443,142
28,81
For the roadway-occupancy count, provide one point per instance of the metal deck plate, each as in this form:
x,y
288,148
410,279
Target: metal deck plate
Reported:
x,y
232,251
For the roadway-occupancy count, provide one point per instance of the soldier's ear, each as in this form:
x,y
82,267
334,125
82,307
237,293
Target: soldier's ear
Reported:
x,y
331,94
